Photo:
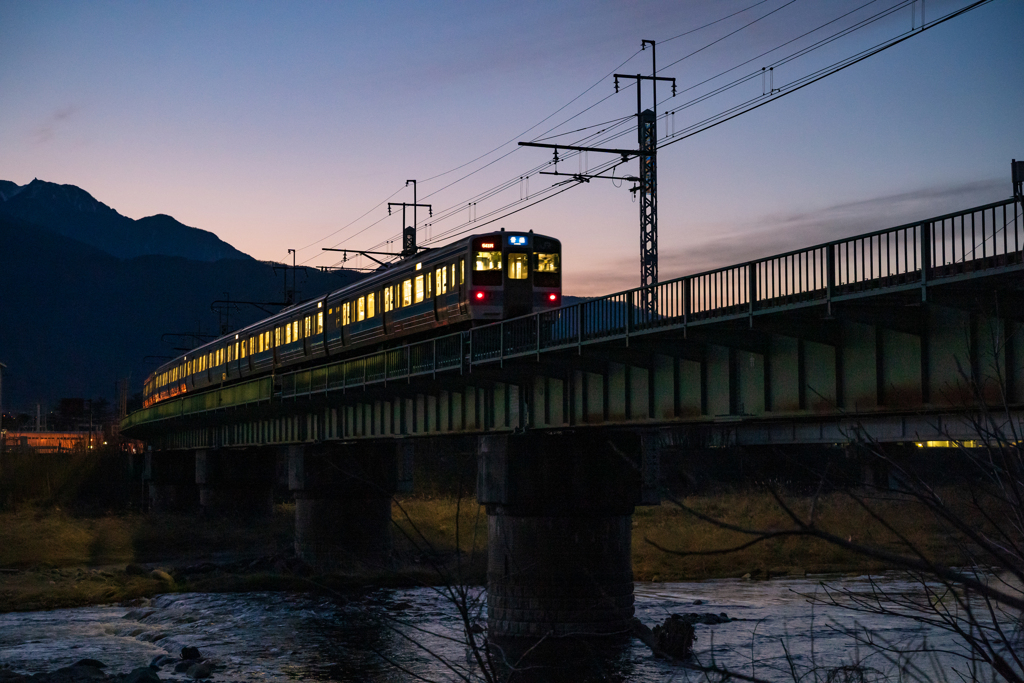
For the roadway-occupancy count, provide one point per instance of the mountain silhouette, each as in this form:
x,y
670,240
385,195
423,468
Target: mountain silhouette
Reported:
x,y
75,316
71,211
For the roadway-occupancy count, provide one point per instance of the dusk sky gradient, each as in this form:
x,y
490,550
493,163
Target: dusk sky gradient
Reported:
x,y
274,125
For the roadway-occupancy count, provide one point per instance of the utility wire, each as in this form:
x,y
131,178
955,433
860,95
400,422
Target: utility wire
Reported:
x,y
344,227
721,117
602,100
817,28
716,21
728,35
598,82
815,76
825,72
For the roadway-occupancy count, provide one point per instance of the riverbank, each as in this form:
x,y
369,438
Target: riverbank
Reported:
x,y
49,559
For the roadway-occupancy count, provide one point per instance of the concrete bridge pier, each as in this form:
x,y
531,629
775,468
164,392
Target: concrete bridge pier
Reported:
x,y
559,534
343,503
170,482
236,482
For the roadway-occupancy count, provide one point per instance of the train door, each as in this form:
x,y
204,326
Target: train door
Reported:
x,y
307,324
518,290
440,275
457,288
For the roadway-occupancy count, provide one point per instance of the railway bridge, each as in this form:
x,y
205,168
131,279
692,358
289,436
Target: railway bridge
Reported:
x,y
873,336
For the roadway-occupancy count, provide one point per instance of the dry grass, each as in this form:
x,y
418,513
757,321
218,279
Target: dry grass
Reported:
x,y
670,527
56,588
425,538
58,549
52,538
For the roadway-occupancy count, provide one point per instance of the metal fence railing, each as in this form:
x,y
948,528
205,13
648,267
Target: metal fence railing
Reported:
x,y
915,254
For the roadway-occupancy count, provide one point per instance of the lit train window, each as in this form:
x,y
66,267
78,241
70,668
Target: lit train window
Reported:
x,y
288,333
429,283
389,299
452,278
371,310
419,288
518,266
307,323
278,336
320,322
487,260
546,263
361,308
462,271
296,336
441,276
407,292
245,344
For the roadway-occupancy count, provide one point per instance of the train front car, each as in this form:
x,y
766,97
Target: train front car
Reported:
x,y
514,274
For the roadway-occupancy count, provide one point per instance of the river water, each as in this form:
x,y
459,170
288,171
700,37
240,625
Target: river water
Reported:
x,y
398,634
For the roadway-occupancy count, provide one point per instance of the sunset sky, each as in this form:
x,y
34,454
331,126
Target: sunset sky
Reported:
x,y
278,125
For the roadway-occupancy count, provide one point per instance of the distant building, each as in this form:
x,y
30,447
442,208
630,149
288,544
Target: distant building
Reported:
x,y
52,442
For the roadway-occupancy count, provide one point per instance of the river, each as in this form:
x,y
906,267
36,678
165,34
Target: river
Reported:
x,y
394,634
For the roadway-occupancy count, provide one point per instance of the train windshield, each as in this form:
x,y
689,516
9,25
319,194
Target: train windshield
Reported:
x,y
487,260
546,263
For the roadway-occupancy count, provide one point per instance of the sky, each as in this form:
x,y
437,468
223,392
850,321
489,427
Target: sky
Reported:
x,y
290,125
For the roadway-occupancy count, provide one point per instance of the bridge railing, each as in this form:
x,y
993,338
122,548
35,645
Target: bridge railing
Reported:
x,y
253,391
914,254
987,237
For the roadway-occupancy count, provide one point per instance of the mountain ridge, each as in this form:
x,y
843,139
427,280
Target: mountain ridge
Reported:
x,y
74,318
71,211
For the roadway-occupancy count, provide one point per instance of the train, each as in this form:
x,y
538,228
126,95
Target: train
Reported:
x,y
510,274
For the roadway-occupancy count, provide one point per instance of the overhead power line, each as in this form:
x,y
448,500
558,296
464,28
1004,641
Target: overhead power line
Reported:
x,y
519,136
614,127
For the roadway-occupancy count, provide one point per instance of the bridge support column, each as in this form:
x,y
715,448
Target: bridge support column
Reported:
x,y
236,482
559,534
343,504
170,478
